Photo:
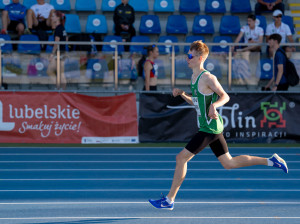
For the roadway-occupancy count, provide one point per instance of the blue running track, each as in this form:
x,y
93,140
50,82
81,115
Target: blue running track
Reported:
x,y
112,185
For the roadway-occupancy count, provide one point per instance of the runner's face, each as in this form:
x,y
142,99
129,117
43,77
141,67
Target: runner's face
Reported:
x,y
155,53
193,59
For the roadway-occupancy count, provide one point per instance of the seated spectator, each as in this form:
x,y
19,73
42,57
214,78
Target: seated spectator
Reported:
x,y
39,16
13,18
124,17
252,34
278,27
268,5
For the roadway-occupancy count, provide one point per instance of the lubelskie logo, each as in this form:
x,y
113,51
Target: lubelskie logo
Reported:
x,y
5,126
273,115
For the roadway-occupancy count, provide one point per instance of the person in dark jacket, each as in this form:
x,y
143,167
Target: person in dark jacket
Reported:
x,y
124,17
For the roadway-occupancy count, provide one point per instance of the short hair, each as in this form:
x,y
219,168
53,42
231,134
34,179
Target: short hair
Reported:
x,y
251,16
275,36
200,47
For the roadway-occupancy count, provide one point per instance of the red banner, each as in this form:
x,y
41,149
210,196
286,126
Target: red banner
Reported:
x,y
50,117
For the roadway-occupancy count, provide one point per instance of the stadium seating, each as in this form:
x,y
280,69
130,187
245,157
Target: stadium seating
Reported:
x,y
85,5
111,47
139,48
72,24
264,69
29,3
5,48
166,49
182,70
203,24
191,39
72,70
189,6
238,6
29,48
50,47
176,24
61,5
230,25
109,5
38,67
96,68
3,3
240,70
126,69
161,73
215,6
221,39
289,21
150,24
261,22
214,67
139,5
96,24
163,6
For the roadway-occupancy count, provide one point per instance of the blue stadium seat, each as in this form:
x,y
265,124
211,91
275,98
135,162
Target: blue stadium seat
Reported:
x,y
127,69
215,6
85,5
29,48
72,68
238,6
29,3
230,25
289,21
191,39
240,69
163,6
38,67
4,3
189,6
139,48
166,49
96,24
214,67
261,22
6,48
61,5
109,5
139,5
150,24
182,70
264,70
221,39
96,68
176,24
72,24
203,24
111,47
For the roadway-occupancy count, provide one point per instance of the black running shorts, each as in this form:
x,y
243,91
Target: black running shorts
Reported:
x,y
200,140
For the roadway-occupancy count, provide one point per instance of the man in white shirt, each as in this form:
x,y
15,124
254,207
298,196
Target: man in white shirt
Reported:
x,y
39,16
252,34
280,28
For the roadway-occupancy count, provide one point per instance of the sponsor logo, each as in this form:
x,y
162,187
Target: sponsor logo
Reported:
x,y
273,115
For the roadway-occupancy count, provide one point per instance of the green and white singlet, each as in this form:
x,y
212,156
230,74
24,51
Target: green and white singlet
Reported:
x,y
202,103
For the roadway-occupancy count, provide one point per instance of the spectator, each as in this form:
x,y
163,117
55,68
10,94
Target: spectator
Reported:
x,y
278,81
124,17
39,16
151,69
280,28
268,5
252,34
60,34
13,18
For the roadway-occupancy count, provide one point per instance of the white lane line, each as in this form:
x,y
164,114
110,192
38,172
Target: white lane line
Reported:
x,y
234,170
143,190
137,202
114,161
156,179
141,217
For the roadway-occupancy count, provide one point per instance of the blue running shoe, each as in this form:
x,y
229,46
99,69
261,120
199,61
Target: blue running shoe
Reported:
x,y
162,203
279,162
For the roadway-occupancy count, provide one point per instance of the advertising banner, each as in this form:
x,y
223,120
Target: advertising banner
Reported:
x,y
248,117
50,117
